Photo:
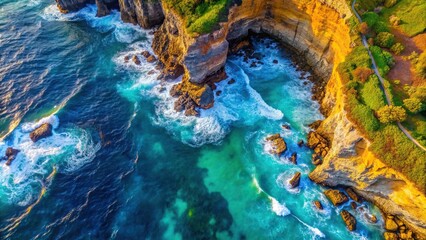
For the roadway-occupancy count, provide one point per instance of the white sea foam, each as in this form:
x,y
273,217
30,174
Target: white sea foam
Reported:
x,y
314,230
277,207
67,150
122,32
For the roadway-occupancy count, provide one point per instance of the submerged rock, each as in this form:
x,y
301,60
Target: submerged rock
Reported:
x,y
285,126
278,144
44,131
318,205
231,81
295,180
349,220
10,155
336,196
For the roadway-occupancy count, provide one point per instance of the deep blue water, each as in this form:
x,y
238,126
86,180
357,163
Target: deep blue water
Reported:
x,y
123,165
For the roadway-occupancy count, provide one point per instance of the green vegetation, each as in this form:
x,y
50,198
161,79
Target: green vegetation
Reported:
x,y
388,114
397,48
420,65
385,39
384,59
414,105
411,14
374,21
372,95
200,16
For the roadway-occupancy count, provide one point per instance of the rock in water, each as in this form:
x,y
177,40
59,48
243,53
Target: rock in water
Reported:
x,y
295,180
353,205
300,143
336,196
11,155
318,205
293,158
103,9
44,131
278,144
352,194
349,220
136,60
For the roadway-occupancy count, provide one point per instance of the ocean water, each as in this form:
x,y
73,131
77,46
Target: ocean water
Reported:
x,y
121,164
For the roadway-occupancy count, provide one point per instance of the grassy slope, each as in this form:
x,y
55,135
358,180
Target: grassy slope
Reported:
x,y
200,16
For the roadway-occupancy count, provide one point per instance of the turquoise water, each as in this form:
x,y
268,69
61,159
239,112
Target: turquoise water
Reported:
x,y
123,165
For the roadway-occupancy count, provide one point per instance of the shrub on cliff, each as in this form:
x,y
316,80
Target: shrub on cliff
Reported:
x,y
363,28
421,65
201,16
384,59
385,39
390,3
397,48
388,114
372,95
394,20
374,22
362,73
414,105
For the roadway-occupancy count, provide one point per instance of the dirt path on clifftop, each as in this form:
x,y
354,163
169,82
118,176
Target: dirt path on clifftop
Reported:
x,y
376,71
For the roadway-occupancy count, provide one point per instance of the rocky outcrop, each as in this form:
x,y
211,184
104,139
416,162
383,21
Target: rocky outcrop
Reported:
x,y
145,13
44,131
295,180
349,220
105,7
318,205
66,6
277,144
10,155
336,196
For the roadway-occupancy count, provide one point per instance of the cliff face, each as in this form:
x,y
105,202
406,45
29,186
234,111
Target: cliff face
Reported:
x,y
146,13
317,31
66,6
350,163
